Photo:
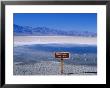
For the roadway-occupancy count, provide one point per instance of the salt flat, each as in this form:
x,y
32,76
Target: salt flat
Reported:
x,y
42,67
28,40
53,68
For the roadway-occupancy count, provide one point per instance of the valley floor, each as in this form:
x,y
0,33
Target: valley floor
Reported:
x,y
52,68
29,40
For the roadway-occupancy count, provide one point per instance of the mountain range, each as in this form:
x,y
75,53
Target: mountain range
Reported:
x,y
45,31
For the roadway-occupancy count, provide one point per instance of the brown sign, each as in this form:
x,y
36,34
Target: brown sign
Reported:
x,y
62,55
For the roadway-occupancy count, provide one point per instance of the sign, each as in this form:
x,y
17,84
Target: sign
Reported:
x,y
63,55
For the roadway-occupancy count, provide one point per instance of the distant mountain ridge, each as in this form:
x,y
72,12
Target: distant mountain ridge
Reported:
x,y
45,31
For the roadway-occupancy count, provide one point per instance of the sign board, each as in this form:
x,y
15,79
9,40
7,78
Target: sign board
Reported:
x,y
62,55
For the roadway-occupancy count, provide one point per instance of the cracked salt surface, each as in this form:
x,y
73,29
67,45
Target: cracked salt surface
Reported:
x,y
53,68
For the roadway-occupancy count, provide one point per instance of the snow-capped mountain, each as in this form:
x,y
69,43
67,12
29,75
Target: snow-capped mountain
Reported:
x,y
45,31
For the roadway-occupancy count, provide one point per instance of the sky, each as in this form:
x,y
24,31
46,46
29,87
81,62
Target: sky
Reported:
x,y
60,21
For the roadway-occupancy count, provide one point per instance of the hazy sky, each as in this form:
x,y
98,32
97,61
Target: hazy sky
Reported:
x,y
60,21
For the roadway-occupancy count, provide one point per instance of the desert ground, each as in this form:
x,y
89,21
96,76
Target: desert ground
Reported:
x,y
49,67
28,40
53,68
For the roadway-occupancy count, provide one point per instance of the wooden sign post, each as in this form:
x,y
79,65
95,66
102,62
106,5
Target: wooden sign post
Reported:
x,y
62,56
62,63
